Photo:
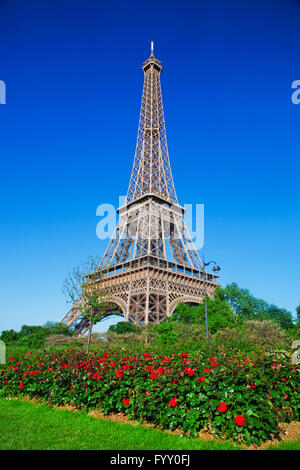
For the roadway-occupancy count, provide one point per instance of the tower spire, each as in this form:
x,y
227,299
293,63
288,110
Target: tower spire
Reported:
x,y
152,49
151,172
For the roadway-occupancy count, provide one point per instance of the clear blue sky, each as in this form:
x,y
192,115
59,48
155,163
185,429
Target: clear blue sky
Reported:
x,y
68,133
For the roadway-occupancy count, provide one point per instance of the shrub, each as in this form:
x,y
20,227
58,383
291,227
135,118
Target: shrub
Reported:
x,y
252,334
238,396
33,336
220,314
124,327
58,340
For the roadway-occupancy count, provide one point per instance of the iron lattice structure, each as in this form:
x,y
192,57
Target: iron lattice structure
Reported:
x,y
150,264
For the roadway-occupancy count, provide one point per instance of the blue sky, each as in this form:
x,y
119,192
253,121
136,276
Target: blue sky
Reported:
x,y
68,131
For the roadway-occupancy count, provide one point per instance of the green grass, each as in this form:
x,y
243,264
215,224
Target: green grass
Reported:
x,y
285,445
28,426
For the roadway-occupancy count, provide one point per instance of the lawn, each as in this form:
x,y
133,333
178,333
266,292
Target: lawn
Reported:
x,y
28,426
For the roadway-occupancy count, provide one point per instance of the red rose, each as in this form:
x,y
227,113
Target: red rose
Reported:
x,y
184,354
201,379
21,385
125,401
189,371
173,402
239,420
166,359
222,408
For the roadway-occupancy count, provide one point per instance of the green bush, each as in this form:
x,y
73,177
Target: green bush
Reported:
x,y
238,396
252,334
33,336
124,327
220,314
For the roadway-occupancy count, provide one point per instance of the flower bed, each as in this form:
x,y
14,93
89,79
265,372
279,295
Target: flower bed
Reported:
x,y
238,397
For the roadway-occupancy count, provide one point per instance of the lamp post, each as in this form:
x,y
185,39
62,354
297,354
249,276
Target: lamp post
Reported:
x,y
215,269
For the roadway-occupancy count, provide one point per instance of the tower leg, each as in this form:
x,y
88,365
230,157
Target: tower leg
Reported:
x,y
146,319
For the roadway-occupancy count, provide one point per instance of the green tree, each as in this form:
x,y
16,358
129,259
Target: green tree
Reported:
x,y
220,315
9,336
93,300
123,327
34,336
243,304
298,314
166,334
55,328
247,307
186,313
280,315
27,330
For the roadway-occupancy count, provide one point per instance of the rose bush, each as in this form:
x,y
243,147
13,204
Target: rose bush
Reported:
x,y
239,397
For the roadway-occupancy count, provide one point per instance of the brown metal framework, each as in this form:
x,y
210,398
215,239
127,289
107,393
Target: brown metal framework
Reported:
x,y
150,263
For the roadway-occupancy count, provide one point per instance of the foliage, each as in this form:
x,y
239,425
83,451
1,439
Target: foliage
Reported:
x,y
92,298
165,334
238,396
298,314
247,307
279,315
242,303
170,336
9,336
32,336
251,334
220,314
123,327
230,306
72,286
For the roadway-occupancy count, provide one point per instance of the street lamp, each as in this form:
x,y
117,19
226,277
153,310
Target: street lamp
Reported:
x,y
215,269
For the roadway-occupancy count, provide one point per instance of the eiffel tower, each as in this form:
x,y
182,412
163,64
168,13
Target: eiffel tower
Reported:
x,y
150,263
